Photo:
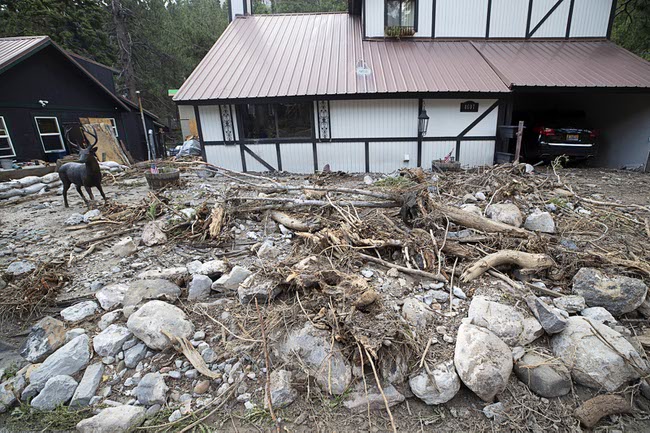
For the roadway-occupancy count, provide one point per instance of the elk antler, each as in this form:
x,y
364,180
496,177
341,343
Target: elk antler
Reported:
x,y
70,142
93,134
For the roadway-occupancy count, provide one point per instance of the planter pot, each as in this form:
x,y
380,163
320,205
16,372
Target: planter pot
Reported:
x,y
162,179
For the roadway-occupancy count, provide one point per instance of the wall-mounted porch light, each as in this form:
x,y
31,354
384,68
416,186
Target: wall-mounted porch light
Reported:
x,y
423,122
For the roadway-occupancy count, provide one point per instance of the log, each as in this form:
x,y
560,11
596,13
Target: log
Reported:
x,y
506,257
593,410
434,277
305,202
291,223
216,222
473,221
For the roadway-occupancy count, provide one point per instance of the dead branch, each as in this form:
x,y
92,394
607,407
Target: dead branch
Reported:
x,y
507,257
291,223
434,277
473,221
302,202
216,221
593,410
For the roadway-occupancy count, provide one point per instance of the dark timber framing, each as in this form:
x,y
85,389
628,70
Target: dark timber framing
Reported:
x,y
489,17
570,19
433,19
199,129
530,17
544,18
612,16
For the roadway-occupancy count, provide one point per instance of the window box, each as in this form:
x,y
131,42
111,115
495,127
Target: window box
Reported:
x,y
399,31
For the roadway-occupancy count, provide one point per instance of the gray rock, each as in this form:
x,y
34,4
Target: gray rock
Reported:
x,y
551,321
143,290
209,356
593,362
175,416
151,390
74,219
155,316
67,360
44,338
152,411
125,247
199,288
88,385
505,321
282,393
268,250
7,397
438,387
323,360
193,266
112,295
119,419
213,268
20,268
110,340
29,392
232,280
79,311
437,295
152,234
570,303
482,360
480,196
91,214
540,222
58,390
599,314
134,355
263,291
506,213
644,308
3,284
494,411
416,312
108,319
472,208
619,295
359,401
164,274
544,375
74,333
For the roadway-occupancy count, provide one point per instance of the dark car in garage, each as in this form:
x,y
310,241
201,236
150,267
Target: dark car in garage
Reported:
x,y
555,133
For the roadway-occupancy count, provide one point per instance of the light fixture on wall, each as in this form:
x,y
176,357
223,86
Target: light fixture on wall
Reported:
x,y
423,122
43,102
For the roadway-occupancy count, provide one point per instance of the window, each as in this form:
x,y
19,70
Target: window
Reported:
x,y
6,147
400,18
276,120
114,127
48,129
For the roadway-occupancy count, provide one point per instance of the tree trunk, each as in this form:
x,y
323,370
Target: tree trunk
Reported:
x,y
125,47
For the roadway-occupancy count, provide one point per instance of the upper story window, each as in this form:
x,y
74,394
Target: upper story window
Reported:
x,y
400,18
260,121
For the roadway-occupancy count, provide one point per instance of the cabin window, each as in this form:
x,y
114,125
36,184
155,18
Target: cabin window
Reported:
x,y
261,121
400,18
48,129
114,127
6,147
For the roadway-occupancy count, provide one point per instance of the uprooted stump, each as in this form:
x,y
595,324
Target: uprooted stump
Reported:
x,y
593,410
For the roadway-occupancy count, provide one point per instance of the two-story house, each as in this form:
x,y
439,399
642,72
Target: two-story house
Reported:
x,y
399,83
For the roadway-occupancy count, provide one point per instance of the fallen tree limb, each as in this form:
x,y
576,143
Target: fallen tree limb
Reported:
x,y
506,257
301,202
291,223
473,221
435,277
353,191
593,410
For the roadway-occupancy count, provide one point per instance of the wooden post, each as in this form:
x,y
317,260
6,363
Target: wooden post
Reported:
x,y
520,133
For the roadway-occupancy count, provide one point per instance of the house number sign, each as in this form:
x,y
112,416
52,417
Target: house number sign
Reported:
x,y
469,107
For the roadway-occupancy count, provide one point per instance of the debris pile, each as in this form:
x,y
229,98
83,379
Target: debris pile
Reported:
x,y
501,285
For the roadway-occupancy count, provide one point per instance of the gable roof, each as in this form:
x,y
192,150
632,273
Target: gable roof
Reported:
x,y
86,59
595,64
319,54
16,49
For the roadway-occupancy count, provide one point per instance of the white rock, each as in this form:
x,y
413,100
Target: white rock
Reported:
x,y
110,340
91,214
57,390
540,222
213,268
152,234
125,247
151,390
119,419
20,268
416,312
108,319
598,314
88,386
79,311
482,360
199,288
506,213
168,273
438,387
155,316
112,295
505,321
233,279
268,250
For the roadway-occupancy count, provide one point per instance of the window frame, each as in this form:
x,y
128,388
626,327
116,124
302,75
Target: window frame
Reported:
x,y
50,134
276,122
114,126
415,18
8,137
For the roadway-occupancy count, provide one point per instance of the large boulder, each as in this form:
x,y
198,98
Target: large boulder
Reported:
x,y
505,321
438,387
120,419
482,360
151,390
544,375
144,290
506,213
88,386
58,390
322,359
67,360
594,354
112,295
619,295
156,316
44,338
110,340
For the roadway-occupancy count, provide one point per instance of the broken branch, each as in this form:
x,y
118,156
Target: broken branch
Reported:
x,y
506,257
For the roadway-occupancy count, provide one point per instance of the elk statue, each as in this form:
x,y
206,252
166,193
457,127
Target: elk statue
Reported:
x,y
84,173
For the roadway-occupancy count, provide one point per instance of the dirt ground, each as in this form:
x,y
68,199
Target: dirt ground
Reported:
x,y
34,230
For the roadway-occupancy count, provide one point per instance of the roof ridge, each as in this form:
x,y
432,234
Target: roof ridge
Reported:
x,y
15,38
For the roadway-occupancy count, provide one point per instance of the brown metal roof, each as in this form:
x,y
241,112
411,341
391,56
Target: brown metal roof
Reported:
x,y
585,64
12,49
318,54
